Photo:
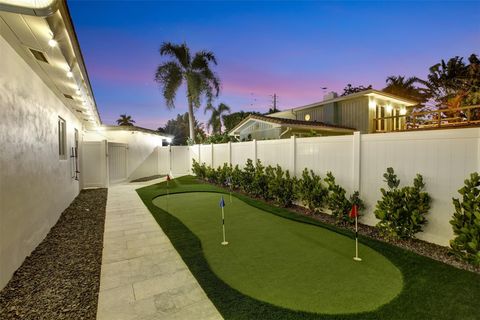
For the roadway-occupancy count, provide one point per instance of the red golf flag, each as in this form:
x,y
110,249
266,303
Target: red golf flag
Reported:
x,y
354,211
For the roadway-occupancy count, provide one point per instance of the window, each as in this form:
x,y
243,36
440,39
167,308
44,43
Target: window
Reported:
x,y
62,139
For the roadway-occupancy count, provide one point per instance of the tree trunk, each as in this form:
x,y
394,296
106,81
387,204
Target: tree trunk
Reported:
x,y
191,120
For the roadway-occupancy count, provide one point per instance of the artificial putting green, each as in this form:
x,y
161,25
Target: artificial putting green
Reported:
x,y
431,289
279,261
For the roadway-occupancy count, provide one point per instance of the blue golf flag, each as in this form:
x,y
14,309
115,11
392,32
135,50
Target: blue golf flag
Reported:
x,y
222,203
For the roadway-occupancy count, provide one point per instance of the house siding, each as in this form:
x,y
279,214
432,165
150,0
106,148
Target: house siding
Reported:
x,y
316,114
354,114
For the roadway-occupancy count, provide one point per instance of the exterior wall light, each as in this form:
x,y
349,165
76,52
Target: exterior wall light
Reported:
x,y
70,74
52,43
169,140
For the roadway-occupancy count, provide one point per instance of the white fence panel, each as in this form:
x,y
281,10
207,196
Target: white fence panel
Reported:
x,y
163,160
445,158
181,160
241,151
221,154
206,154
323,154
273,152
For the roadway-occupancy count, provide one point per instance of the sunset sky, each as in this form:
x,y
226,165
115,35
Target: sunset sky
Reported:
x,y
292,49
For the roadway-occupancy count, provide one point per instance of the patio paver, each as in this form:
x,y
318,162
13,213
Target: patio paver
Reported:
x,y
143,276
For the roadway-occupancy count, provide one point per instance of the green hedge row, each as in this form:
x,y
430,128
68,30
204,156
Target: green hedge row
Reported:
x,y
401,210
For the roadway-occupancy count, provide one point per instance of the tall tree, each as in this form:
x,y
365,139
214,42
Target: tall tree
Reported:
x,y
232,119
349,89
179,128
194,72
125,120
454,83
216,117
406,88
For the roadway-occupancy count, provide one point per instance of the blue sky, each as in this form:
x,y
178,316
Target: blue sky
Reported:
x,y
292,49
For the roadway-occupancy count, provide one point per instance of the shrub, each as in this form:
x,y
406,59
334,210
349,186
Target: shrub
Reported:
x,y
310,191
199,169
337,200
248,173
280,186
466,222
237,177
260,181
401,211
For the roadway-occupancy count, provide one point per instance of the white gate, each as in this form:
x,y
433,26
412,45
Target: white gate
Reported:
x,y
93,173
117,162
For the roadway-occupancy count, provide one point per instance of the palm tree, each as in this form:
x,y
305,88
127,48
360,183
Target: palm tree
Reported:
x,y
125,120
216,117
194,72
405,87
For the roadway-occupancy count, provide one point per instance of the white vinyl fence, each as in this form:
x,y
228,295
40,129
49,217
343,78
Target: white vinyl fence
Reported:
x,y
445,158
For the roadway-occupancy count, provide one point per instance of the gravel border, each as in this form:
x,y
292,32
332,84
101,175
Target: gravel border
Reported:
x,y
61,278
423,248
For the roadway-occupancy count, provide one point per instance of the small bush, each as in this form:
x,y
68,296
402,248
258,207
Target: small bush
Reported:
x,y
310,191
237,177
401,211
199,169
466,222
260,181
280,186
337,201
248,174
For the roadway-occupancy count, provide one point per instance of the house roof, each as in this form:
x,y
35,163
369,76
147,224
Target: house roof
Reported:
x,y
297,124
135,128
367,93
28,26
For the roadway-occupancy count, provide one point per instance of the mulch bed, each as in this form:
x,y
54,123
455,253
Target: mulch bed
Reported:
x,y
61,278
145,179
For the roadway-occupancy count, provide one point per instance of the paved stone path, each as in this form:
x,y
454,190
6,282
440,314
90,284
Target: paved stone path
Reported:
x,y
143,276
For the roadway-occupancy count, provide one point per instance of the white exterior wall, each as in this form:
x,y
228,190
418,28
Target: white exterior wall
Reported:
x,y
142,153
445,158
35,185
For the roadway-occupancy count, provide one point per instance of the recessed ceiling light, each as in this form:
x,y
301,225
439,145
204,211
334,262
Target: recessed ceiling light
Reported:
x,y
70,74
78,92
52,43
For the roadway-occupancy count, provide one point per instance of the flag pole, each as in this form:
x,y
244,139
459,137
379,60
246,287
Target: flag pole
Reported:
x,y
356,258
222,205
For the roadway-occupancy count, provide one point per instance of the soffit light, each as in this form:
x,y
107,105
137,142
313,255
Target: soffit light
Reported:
x,y
70,74
52,43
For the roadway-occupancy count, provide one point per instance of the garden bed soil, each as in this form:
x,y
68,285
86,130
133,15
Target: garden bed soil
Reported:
x,y
427,249
149,178
61,278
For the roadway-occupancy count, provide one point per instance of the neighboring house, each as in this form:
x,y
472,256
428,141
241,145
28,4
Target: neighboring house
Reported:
x,y
52,141
367,111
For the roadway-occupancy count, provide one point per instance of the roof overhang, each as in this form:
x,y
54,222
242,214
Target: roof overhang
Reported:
x,y
134,129
389,98
276,122
41,8
64,72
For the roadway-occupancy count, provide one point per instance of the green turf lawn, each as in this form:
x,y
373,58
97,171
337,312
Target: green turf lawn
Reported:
x,y
272,279
283,262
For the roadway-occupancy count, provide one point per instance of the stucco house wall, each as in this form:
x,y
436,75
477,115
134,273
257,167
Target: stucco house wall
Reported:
x,y
142,152
35,184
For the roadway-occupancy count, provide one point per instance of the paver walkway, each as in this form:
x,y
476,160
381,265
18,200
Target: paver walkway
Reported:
x,y
143,276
